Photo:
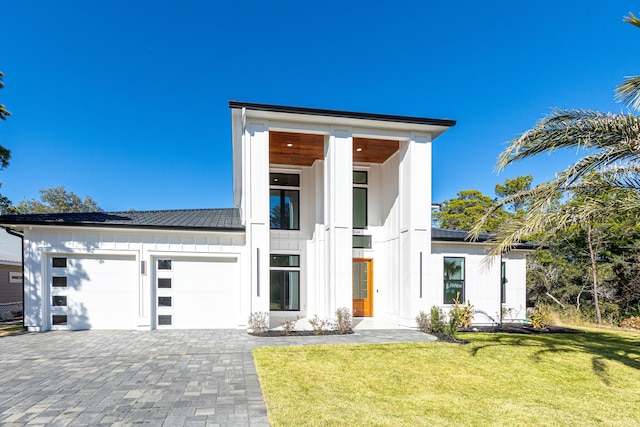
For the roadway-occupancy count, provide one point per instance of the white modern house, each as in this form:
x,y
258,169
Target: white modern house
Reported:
x,y
331,209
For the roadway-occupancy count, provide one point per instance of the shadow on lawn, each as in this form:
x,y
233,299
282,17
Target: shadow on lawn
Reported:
x,y
602,346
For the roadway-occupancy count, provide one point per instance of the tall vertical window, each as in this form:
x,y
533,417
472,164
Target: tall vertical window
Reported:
x,y
284,201
285,283
360,181
503,282
453,279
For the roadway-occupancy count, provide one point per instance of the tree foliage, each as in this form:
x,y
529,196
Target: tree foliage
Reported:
x,y
55,200
5,154
4,113
591,206
514,186
464,211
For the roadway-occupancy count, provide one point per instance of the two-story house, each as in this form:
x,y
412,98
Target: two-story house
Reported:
x,y
331,209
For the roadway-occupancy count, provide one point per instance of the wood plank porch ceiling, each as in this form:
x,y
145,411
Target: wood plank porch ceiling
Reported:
x,y
288,148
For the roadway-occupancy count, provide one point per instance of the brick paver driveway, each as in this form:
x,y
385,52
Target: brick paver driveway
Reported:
x,y
155,378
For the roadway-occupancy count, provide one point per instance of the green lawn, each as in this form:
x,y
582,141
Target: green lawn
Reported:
x,y
497,379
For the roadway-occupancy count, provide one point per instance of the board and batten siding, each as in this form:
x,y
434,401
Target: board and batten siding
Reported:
x,y
143,246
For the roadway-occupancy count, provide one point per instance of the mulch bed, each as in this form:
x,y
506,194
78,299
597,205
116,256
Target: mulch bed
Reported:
x,y
515,328
275,333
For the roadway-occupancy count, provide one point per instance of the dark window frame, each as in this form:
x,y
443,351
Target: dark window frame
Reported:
x,y
58,300
362,238
447,299
59,320
165,280
163,300
165,320
62,261
290,184
283,271
59,281
362,187
164,264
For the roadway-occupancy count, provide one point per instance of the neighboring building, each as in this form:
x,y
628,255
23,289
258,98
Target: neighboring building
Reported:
x,y
10,268
331,209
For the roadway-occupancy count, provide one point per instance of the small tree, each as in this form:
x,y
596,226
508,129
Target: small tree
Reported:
x,y
56,200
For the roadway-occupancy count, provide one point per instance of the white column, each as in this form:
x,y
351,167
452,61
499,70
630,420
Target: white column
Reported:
x,y
415,223
338,218
256,204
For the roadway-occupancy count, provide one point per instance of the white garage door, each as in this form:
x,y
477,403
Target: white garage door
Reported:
x,y
193,293
93,292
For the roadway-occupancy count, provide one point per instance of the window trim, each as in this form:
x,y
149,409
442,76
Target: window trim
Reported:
x,y
282,189
461,281
283,270
365,187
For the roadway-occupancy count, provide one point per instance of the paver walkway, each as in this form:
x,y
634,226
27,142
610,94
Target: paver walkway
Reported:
x,y
150,378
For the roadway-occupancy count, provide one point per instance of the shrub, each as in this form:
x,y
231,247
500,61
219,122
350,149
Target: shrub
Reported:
x,y
437,320
343,320
610,312
319,325
289,325
463,313
259,322
539,318
631,322
422,320
455,319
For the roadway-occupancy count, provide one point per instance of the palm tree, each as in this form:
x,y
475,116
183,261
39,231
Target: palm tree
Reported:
x,y
612,143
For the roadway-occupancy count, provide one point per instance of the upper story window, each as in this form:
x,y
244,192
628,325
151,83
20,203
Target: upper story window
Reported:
x,y
284,201
453,279
360,199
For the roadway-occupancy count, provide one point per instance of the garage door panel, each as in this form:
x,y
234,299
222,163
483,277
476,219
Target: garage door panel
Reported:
x,y
101,292
206,293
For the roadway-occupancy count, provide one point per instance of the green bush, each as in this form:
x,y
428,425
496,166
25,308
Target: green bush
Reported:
x,y
437,320
539,318
463,313
610,312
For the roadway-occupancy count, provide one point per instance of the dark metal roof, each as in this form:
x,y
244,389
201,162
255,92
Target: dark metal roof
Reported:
x,y
186,219
444,235
338,113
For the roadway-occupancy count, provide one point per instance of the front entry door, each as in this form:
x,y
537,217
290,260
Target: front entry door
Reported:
x,y
362,287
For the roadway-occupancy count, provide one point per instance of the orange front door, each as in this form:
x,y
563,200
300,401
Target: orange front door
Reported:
x,y
362,287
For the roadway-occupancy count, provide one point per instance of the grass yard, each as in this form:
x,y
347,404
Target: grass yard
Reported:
x,y
497,379
6,330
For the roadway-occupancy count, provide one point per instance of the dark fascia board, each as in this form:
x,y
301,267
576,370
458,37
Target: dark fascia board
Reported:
x,y
483,238
127,226
344,114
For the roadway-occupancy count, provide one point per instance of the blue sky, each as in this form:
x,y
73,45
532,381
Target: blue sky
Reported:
x,y
127,101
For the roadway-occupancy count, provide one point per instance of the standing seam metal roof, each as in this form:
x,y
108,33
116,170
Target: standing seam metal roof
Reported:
x,y
205,219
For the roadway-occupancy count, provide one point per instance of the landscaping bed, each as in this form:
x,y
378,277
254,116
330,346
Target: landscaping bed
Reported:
x,y
280,333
